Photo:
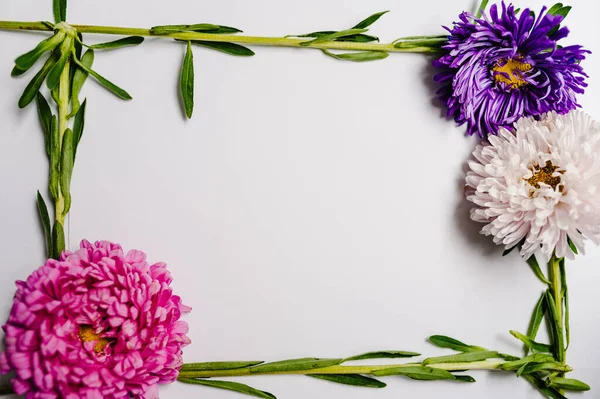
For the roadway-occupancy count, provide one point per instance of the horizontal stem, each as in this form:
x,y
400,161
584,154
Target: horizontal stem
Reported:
x,y
211,37
486,365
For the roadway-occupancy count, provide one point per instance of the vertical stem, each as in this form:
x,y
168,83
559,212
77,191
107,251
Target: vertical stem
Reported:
x,y
63,124
557,296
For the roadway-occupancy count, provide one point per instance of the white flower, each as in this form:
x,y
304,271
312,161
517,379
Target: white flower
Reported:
x,y
539,187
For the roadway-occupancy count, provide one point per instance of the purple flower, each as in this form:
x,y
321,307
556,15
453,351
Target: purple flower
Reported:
x,y
97,324
506,66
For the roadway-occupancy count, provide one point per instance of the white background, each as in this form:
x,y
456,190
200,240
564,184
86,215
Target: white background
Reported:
x,y
311,207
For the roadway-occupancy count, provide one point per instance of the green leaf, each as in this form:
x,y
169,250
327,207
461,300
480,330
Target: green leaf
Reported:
x,y
217,366
433,45
416,373
535,358
228,48
360,38
536,319
295,365
362,56
58,240
540,384
54,159
441,341
116,90
465,378
187,81
78,125
333,36
16,71
569,384
382,355
350,379
45,218
536,346
535,266
230,386
66,168
572,246
45,115
370,20
27,60
565,293
563,11
34,86
168,29
314,34
124,42
462,358
554,9
57,69
79,78
548,366
60,10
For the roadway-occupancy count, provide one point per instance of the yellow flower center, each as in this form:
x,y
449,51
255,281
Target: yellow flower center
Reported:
x,y
510,72
545,175
87,334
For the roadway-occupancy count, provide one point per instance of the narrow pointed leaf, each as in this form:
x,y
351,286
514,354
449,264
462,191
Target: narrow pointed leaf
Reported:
x,y
333,36
54,159
79,78
187,81
168,29
536,346
117,91
227,48
555,8
213,366
442,341
540,384
60,10
535,266
535,358
362,56
58,240
569,384
27,60
66,168
370,20
536,319
230,386
54,74
78,125
482,8
382,355
124,42
462,358
16,71
45,115
45,218
548,366
295,365
565,293
34,86
360,38
350,379
465,378
564,11
417,373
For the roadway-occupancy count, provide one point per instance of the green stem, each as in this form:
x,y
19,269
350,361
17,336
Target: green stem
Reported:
x,y
63,124
486,365
557,296
241,39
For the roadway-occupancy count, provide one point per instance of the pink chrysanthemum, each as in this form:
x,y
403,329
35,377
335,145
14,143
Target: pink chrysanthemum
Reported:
x,y
96,324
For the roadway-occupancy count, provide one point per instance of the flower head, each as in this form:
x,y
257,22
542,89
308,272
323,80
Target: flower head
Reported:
x,y
508,65
96,324
539,187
